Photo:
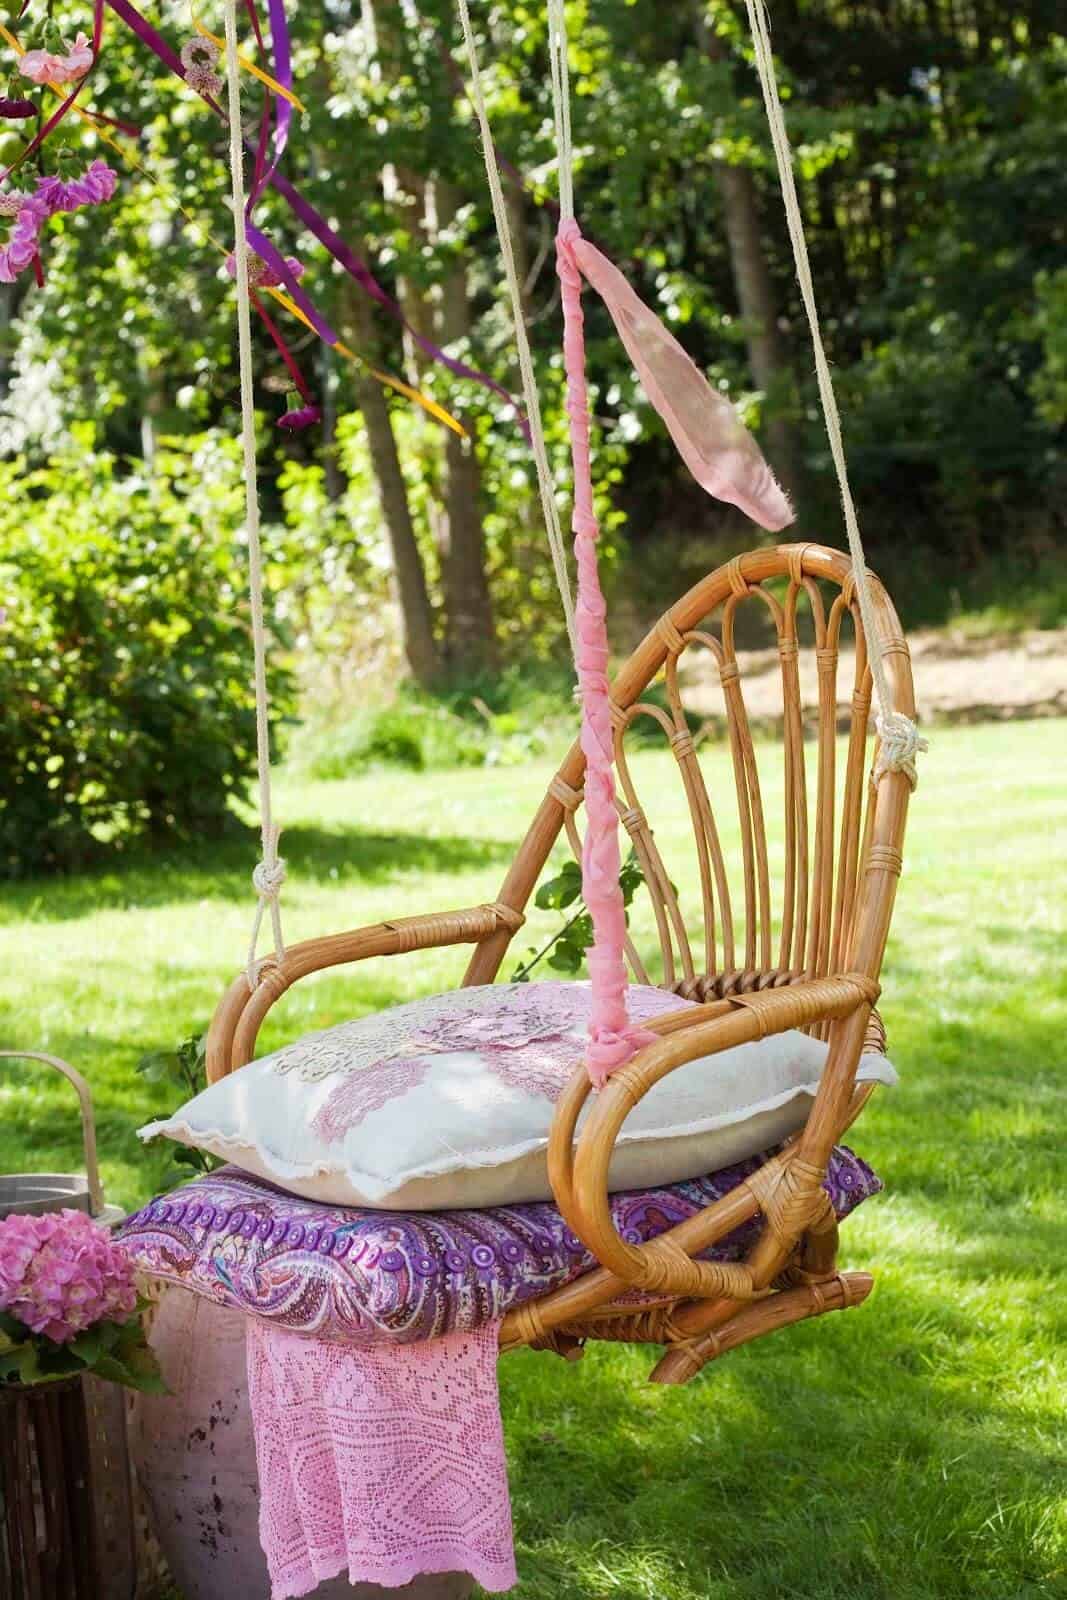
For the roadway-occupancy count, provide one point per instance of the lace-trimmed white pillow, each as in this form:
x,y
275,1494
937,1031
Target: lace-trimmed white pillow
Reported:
x,y
448,1102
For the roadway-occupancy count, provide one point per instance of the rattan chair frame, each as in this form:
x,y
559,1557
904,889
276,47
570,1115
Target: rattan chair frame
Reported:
x,y
818,970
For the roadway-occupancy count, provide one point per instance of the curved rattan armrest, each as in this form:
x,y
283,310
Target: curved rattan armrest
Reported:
x,y
231,1039
787,1188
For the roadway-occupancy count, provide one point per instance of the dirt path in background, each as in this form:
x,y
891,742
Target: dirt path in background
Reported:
x,y
956,679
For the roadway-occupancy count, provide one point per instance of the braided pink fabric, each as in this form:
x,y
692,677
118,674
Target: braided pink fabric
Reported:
x,y
726,461
612,1040
383,1463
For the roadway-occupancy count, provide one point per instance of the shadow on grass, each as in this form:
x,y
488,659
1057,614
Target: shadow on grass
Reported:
x,y
222,870
831,1463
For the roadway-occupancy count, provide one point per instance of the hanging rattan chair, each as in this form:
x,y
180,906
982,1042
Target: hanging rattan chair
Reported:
x,y
813,966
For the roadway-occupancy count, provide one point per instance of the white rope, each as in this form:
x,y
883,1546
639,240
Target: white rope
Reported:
x,y
269,874
531,399
900,740
561,105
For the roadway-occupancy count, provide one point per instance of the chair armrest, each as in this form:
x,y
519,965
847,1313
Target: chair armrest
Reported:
x,y
787,1188
231,1039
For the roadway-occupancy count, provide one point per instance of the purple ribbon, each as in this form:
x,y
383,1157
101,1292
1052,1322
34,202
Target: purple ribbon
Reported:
x,y
312,219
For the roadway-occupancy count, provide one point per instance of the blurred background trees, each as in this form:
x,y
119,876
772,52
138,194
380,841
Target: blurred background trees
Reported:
x,y
929,139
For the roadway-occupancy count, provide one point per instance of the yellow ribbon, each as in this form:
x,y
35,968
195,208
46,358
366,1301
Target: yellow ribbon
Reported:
x,y
168,193
383,377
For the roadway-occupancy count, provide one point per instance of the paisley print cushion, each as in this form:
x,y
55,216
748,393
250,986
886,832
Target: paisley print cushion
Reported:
x,y
448,1101
364,1277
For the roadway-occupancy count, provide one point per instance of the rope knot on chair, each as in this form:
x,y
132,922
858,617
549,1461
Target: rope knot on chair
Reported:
x,y
268,878
668,631
507,916
729,672
569,797
739,585
790,1196
901,742
620,717
682,743
633,820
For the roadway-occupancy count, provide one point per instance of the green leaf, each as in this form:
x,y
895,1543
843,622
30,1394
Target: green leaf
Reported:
x,y
158,1065
184,1157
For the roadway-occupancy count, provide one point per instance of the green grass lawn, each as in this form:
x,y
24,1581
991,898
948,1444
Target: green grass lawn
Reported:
x,y
915,1447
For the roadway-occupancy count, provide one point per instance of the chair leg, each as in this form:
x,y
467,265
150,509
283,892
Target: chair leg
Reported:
x,y
683,1361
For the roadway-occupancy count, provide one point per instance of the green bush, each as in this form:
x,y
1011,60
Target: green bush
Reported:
x,y
126,706
499,721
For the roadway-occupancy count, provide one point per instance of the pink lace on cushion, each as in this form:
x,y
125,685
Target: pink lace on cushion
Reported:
x,y
385,1463
357,1095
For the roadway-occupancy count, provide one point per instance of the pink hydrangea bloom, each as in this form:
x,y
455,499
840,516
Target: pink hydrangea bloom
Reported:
x,y
60,1274
43,66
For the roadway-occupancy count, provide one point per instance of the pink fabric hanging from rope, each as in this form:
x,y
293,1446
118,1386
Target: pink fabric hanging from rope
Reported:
x,y
726,461
711,438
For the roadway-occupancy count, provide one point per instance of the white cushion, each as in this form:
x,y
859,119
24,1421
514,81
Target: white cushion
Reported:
x,y
448,1101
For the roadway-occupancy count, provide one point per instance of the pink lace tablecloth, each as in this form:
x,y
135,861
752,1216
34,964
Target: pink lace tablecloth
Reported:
x,y
385,1462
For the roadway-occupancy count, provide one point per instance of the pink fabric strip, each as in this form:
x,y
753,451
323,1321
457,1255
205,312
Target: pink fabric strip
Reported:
x,y
612,1039
383,1463
710,437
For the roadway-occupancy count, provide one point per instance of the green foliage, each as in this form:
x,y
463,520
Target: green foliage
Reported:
x,y
498,722
911,1449
115,1351
126,707
565,951
185,1068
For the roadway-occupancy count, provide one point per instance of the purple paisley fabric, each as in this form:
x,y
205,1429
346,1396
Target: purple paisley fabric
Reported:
x,y
367,1277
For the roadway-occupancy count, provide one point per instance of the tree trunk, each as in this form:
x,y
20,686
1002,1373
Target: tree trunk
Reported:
x,y
420,647
767,358
468,605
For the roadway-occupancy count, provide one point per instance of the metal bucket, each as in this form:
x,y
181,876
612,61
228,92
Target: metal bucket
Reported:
x,y
34,1193
66,1498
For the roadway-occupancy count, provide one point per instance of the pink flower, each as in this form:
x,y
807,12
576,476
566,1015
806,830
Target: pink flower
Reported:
x,y
42,66
94,187
79,59
262,276
22,245
60,1274
303,417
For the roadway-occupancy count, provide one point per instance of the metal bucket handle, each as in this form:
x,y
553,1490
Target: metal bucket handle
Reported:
x,y
85,1101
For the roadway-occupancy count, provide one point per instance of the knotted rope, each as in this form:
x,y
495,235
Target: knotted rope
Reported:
x,y
899,738
269,874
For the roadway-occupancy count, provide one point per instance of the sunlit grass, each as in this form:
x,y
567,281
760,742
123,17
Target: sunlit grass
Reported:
x,y
912,1450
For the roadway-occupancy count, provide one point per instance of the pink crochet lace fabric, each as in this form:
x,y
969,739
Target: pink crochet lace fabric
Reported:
x,y
384,1463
